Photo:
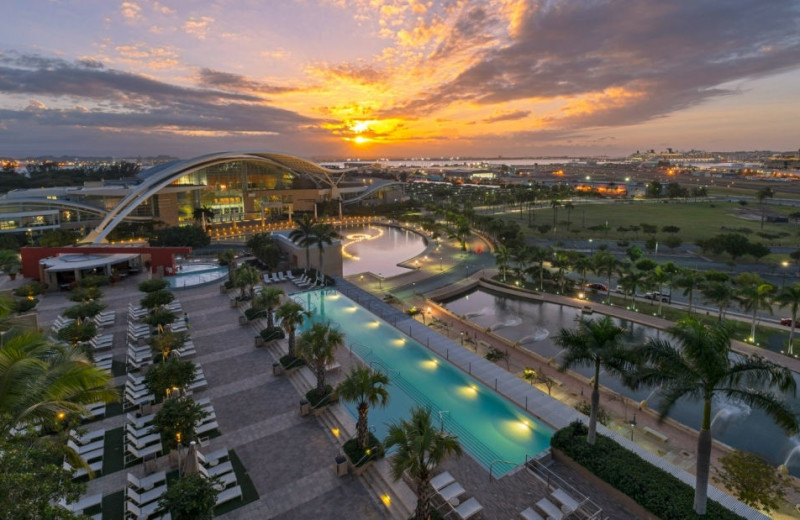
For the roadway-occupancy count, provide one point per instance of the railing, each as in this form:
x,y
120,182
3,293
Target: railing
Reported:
x,y
367,455
501,461
587,509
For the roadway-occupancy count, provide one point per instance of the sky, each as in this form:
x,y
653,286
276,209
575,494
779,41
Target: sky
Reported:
x,y
398,78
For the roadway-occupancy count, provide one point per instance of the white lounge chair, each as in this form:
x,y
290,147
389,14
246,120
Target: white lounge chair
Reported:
x,y
229,494
468,509
451,492
550,509
147,483
568,504
442,480
530,514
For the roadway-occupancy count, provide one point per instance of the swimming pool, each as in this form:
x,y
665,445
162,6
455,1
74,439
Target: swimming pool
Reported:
x,y
194,274
489,427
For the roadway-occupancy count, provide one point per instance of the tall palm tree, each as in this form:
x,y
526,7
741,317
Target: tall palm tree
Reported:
x,y
689,280
39,381
632,280
502,257
226,258
292,316
520,256
700,365
365,388
555,203
598,344
755,297
318,345
420,448
268,299
789,296
569,207
323,234
605,264
719,293
582,263
762,195
539,255
247,277
303,235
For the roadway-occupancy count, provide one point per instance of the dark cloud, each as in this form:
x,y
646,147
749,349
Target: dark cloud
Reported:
x,y
91,63
666,55
509,116
124,101
236,82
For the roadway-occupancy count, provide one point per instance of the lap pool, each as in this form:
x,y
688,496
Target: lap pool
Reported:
x,y
489,427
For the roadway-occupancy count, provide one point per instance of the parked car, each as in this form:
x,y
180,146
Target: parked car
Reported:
x,y
619,290
597,286
788,322
656,295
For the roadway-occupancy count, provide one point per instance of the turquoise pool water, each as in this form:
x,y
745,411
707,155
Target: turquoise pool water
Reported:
x,y
489,427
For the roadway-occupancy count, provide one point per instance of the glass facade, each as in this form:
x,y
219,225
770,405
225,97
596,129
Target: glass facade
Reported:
x,y
238,190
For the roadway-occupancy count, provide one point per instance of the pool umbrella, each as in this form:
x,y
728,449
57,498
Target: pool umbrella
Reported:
x,y
192,463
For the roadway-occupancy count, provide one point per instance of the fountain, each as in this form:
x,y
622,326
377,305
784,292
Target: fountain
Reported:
x,y
539,333
511,322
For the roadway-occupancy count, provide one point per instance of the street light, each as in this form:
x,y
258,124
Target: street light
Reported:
x,y
633,424
784,264
440,264
462,338
591,246
380,281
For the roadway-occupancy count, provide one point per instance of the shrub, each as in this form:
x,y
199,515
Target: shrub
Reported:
x,y
85,294
271,334
317,398
156,299
160,318
30,289
360,457
95,280
654,489
25,305
84,310
252,314
288,362
152,285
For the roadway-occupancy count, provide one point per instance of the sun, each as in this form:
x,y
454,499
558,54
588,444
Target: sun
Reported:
x,y
360,139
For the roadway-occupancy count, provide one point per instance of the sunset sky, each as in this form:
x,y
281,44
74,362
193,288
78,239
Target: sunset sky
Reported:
x,y
398,78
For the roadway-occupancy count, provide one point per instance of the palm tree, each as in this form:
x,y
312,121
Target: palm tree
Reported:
x,y
539,255
762,195
420,448
292,316
40,381
323,234
303,235
755,297
203,213
569,207
268,299
502,257
582,263
226,258
605,264
700,365
247,277
318,345
719,293
689,281
594,343
555,203
633,280
365,388
789,296
520,256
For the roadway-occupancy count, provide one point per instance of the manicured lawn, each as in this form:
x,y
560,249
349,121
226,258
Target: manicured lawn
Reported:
x,y
695,220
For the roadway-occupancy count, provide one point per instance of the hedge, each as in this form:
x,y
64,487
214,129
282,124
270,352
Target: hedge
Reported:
x,y
653,488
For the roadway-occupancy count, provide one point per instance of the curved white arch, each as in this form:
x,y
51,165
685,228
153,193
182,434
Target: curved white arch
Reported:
x,y
152,183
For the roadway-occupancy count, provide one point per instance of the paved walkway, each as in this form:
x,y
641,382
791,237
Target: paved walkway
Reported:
x,y
288,457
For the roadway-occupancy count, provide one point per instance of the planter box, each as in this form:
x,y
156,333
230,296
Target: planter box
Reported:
x,y
234,303
358,470
222,289
258,341
242,320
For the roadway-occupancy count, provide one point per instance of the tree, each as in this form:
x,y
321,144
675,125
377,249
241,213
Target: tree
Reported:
x,y
173,373
719,293
605,264
33,481
502,257
318,346
420,449
203,214
539,255
180,236
598,344
323,234
227,258
700,365
303,235
365,388
39,381
246,278
176,422
268,299
83,310
752,480
77,332
59,238
292,316
191,497
160,318
763,194
689,280
653,190
152,285
155,299
789,296
754,296
167,342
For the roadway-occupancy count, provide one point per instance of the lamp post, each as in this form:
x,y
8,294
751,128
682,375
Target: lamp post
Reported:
x,y
633,424
380,281
591,246
440,264
784,264
462,338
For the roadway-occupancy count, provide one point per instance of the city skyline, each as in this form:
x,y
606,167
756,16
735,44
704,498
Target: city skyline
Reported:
x,y
392,78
